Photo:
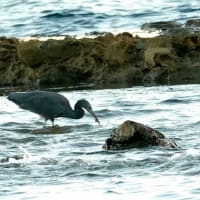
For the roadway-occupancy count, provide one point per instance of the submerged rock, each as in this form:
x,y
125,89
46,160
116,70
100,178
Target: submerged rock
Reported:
x,y
161,25
131,134
193,23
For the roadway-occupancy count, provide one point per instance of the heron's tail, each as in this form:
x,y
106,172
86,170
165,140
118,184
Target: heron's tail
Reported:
x,y
12,96
16,97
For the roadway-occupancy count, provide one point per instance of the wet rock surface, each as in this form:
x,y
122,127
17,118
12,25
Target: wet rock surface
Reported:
x,y
105,60
131,134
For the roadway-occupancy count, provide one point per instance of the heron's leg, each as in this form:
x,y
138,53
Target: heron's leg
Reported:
x,y
52,120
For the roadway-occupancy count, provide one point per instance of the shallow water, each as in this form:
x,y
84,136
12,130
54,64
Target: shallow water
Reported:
x,y
68,160
21,18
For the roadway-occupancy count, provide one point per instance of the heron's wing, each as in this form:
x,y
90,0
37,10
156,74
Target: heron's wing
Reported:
x,y
47,104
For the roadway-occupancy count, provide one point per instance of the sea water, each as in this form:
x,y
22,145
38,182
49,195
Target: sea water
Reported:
x,y
21,18
68,161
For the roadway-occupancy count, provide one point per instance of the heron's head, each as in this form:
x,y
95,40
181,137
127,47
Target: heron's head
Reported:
x,y
87,106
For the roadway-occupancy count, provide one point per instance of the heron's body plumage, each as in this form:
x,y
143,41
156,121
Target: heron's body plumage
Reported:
x,y
50,105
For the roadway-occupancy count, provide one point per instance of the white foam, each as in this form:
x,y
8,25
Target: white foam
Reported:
x,y
193,152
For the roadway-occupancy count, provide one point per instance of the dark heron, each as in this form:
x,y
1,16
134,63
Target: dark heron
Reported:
x,y
51,105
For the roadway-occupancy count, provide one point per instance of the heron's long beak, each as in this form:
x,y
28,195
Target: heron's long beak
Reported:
x,y
95,117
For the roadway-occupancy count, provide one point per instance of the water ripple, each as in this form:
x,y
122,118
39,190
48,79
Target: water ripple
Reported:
x,y
75,18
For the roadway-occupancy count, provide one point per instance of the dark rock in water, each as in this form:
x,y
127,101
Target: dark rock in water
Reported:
x,y
168,28
131,134
193,23
161,25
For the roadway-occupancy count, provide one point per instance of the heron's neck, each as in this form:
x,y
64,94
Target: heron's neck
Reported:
x,y
77,113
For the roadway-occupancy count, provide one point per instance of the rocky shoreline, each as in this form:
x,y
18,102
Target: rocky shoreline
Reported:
x,y
107,59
